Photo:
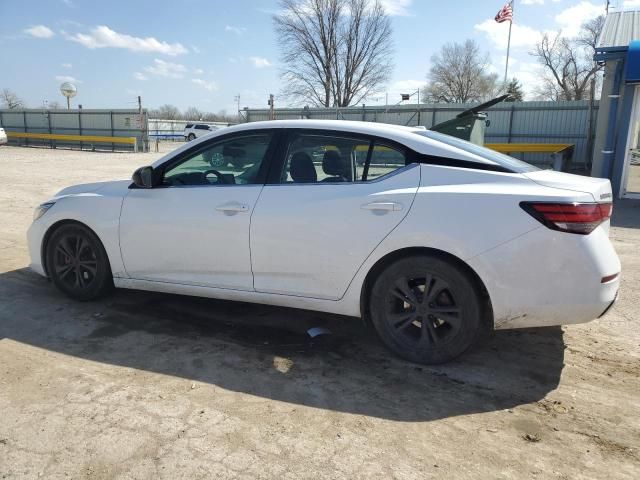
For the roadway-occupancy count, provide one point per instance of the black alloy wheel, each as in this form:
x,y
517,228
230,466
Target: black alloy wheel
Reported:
x,y
77,262
426,309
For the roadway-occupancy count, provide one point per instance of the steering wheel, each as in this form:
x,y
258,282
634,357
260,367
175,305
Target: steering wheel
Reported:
x,y
221,178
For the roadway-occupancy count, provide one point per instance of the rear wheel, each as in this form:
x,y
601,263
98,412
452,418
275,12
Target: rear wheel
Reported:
x,y
426,309
77,263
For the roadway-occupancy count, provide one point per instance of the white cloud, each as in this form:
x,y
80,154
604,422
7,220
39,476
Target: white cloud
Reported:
x,y
67,78
211,86
103,37
522,36
397,7
236,30
260,62
533,2
631,4
39,31
166,69
571,19
195,49
140,76
66,65
198,71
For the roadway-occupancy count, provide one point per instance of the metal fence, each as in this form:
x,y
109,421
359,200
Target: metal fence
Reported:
x,y
174,129
515,122
109,123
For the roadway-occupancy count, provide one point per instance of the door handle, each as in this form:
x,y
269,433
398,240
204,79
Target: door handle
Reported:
x,y
382,206
232,208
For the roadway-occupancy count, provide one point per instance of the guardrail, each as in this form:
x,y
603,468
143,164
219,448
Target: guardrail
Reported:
x,y
90,139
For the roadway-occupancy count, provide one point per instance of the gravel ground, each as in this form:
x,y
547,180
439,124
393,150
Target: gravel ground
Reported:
x,y
143,385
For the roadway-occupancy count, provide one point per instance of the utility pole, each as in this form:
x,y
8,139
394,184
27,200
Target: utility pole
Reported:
x,y
144,127
272,114
237,100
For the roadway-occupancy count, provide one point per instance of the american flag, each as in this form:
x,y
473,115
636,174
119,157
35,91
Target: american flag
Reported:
x,y
505,14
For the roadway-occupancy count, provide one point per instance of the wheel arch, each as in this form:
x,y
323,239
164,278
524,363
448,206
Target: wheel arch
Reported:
x,y
51,230
391,257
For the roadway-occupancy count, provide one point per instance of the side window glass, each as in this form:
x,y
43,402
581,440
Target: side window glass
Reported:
x,y
324,159
235,161
384,160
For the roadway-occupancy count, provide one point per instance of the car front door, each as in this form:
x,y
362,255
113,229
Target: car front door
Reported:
x,y
331,201
193,227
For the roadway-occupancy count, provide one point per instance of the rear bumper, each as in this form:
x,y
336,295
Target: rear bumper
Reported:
x,y
606,310
547,278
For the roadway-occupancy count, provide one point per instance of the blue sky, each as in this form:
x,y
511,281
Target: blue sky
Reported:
x,y
205,52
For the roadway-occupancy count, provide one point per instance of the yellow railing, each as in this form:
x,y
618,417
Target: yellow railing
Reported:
x,y
561,152
528,147
76,138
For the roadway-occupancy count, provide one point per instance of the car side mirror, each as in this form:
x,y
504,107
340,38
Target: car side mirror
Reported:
x,y
143,177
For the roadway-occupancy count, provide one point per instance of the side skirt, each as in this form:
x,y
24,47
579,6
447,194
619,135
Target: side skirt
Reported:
x,y
303,303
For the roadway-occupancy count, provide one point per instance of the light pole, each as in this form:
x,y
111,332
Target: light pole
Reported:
x,y
407,96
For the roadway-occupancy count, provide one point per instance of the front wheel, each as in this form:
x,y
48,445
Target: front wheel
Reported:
x,y
426,309
77,263
191,137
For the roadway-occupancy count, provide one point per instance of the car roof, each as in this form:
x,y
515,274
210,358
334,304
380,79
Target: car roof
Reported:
x,y
398,133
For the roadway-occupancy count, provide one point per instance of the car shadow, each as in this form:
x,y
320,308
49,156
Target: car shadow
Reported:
x,y
265,351
626,213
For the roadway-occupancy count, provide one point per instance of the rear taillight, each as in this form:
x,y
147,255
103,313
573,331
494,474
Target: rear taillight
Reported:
x,y
580,218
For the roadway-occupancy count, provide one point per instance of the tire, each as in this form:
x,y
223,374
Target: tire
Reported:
x,y
77,263
399,301
191,137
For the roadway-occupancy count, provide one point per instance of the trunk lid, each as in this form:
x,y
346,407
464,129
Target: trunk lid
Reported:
x,y
598,188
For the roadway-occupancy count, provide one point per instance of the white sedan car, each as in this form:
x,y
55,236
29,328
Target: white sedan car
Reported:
x,y
430,238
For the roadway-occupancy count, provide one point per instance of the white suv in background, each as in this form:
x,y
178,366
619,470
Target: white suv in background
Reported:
x,y
3,136
195,130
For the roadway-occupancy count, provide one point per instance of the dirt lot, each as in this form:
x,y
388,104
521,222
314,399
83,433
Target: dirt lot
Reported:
x,y
152,386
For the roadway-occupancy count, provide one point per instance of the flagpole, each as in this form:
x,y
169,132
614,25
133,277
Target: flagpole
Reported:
x,y
506,67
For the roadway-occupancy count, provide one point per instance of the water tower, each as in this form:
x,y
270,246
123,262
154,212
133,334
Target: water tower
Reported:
x,y
69,90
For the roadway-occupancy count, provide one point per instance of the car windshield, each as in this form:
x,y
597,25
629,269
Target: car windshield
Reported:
x,y
491,156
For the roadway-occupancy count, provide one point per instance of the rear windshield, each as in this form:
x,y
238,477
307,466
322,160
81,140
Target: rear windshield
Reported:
x,y
491,156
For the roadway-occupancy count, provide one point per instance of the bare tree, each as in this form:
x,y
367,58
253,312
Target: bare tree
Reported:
x,y
192,113
54,105
10,99
334,52
459,74
568,62
167,112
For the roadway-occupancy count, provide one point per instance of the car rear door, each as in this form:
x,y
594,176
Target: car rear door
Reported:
x,y
193,229
331,199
